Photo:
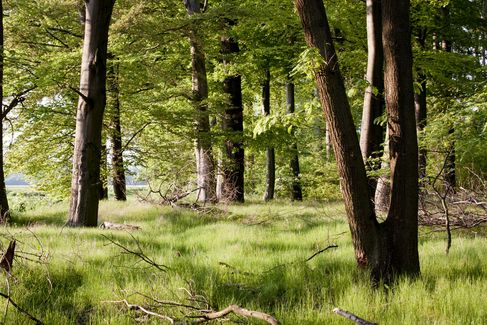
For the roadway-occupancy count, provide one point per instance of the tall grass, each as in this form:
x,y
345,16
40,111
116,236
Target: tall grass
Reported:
x,y
252,255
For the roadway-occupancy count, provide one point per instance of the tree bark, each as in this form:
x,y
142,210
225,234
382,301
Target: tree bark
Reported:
x,y
389,248
118,169
91,105
205,164
233,160
4,208
296,191
270,153
371,133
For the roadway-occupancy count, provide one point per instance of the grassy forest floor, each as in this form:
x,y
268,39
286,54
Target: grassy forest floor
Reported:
x,y
253,255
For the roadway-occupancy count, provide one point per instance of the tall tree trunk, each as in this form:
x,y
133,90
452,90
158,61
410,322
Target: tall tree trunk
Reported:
x,y
205,164
389,248
233,160
91,105
371,133
4,209
450,178
296,191
270,153
118,169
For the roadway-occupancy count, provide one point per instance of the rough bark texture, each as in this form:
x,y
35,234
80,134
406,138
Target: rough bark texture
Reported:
x,y
389,248
270,179
371,133
87,147
205,165
233,160
4,209
402,219
296,191
118,169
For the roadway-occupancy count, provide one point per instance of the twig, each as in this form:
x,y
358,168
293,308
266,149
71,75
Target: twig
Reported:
x,y
320,251
140,254
146,311
23,311
352,317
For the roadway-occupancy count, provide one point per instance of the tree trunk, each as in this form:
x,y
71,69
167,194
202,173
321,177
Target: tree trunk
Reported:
x,y
103,170
270,154
450,178
91,105
205,165
389,248
296,191
233,160
118,169
4,209
371,133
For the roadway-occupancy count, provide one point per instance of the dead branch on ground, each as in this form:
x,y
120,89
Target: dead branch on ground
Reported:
x,y
241,312
352,317
118,226
142,309
20,309
138,253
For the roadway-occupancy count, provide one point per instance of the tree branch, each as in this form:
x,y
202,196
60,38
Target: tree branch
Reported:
x,y
18,98
352,317
20,309
242,312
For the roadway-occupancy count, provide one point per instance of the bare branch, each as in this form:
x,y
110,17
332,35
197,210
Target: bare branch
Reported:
x,y
242,312
352,317
144,310
321,251
20,309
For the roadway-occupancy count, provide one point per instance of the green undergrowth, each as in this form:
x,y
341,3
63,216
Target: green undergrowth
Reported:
x,y
253,255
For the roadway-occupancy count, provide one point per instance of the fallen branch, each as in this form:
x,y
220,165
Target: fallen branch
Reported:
x,y
352,317
242,312
20,309
140,254
118,226
144,310
321,251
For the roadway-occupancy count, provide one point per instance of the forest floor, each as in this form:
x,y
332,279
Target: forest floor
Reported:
x,y
253,255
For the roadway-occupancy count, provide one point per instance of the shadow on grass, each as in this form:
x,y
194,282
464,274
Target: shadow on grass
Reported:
x,y
53,218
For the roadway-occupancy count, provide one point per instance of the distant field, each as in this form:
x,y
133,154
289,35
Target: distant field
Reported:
x,y
252,255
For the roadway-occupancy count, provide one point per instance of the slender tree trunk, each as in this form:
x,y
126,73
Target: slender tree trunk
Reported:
x,y
450,178
4,209
381,248
420,105
382,197
371,133
118,169
103,170
270,154
87,148
233,160
205,165
296,191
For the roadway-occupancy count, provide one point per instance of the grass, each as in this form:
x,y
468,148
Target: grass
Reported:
x,y
251,255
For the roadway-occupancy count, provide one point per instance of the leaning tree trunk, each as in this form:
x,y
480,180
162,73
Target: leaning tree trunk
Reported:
x,y
389,248
296,191
118,169
83,209
270,180
4,209
233,160
205,164
371,133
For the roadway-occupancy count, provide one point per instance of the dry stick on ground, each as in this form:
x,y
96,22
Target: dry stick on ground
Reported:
x,y
239,311
144,310
20,309
118,226
321,251
140,254
352,317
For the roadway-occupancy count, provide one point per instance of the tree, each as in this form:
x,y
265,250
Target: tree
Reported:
x,y
205,165
83,209
371,132
270,152
388,248
232,125
296,192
